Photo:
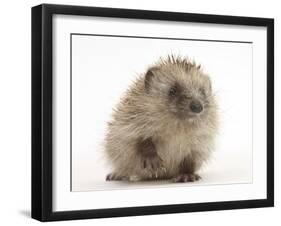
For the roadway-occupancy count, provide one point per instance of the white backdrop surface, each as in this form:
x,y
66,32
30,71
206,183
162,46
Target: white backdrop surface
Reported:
x,y
104,67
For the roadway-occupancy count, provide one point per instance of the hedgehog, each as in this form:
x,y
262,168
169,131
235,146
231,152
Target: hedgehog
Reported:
x,y
165,125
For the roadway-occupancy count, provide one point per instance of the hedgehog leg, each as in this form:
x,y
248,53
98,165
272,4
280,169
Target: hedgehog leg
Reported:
x,y
150,162
187,170
115,176
186,177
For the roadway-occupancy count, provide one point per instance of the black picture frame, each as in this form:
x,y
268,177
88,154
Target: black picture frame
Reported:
x,y
42,111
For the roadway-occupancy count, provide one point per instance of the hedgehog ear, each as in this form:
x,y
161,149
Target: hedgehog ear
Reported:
x,y
148,79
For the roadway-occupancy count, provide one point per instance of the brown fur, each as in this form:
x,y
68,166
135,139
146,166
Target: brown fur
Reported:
x,y
154,134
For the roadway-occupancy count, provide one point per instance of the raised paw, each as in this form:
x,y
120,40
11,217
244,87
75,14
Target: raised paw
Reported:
x,y
186,177
114,176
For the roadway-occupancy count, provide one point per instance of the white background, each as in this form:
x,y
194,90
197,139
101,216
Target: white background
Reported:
x,y
15,113
101,75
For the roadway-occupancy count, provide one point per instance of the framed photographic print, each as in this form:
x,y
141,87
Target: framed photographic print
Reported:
x,y
145,112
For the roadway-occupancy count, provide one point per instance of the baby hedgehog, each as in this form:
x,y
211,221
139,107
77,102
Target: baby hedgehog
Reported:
x,y
164,127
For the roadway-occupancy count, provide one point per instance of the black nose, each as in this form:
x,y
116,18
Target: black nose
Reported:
x,y
196,106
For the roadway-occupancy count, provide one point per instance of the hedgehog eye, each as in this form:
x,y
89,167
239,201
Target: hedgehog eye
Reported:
x,y
173,92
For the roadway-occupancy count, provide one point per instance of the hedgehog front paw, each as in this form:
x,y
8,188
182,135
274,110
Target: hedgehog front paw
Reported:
x,y
153,165
186,177
115,176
